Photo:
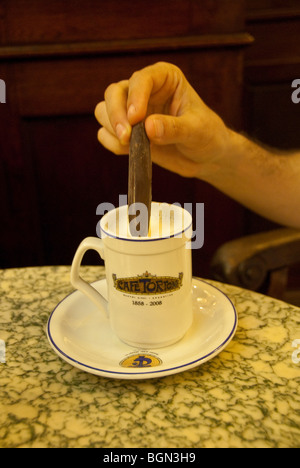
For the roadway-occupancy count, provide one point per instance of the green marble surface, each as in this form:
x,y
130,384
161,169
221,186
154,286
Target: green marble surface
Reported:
x,y
247,396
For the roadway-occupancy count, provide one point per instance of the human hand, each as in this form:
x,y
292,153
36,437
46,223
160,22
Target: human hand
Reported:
x,y
186,136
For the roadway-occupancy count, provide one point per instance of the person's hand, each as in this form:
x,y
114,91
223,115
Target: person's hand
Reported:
x,y
186,136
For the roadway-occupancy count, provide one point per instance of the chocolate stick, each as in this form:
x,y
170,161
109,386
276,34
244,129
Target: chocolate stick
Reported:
x,y
139,181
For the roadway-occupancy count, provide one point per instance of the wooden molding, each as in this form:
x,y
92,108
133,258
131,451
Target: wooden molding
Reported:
x,y
272,14
31,51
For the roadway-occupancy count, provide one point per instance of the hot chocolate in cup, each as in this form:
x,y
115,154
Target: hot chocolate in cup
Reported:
x,y
165,221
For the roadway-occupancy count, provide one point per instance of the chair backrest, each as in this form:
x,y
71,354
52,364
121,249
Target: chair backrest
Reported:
x,y
259,262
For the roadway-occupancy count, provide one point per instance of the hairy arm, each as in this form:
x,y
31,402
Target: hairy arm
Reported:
x,y
265,180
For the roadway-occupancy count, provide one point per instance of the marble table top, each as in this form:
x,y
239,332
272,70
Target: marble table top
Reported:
x,y
247,396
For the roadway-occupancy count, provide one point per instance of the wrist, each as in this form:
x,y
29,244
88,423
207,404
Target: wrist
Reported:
x,y
221,165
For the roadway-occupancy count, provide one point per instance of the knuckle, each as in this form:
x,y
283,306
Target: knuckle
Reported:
x,y
174,127
100,109
135,77
110,90
115,88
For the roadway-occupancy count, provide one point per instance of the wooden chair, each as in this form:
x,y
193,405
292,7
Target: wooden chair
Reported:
x,y
259,262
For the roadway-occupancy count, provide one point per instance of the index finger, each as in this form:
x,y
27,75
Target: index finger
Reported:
x,y
146,84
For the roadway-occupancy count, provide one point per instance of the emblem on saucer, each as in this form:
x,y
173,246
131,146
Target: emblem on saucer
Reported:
x,y
139,361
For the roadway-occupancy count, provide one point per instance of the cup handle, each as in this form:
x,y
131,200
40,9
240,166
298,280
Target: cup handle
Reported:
x,y
93,243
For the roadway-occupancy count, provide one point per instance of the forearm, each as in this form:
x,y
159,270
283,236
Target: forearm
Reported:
x,y
265,181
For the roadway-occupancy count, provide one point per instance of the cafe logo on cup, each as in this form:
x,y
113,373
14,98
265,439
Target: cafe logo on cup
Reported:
x,y
148,284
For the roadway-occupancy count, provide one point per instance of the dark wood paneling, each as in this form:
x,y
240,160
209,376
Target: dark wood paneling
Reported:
x,y
271,64
36,22
274,55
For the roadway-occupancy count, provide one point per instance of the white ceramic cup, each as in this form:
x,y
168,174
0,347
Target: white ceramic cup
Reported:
x,y
149,279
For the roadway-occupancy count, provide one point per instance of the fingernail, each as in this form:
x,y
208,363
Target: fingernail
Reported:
x,y
120,131
131,111
159,128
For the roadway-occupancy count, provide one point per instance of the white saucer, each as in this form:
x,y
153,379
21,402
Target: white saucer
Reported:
x,y
81,336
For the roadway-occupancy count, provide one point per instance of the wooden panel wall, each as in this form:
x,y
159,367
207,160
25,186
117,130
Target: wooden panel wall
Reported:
x,y
271,64
57,60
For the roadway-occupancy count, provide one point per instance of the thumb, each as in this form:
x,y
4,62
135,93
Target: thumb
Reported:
x,y
165,129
